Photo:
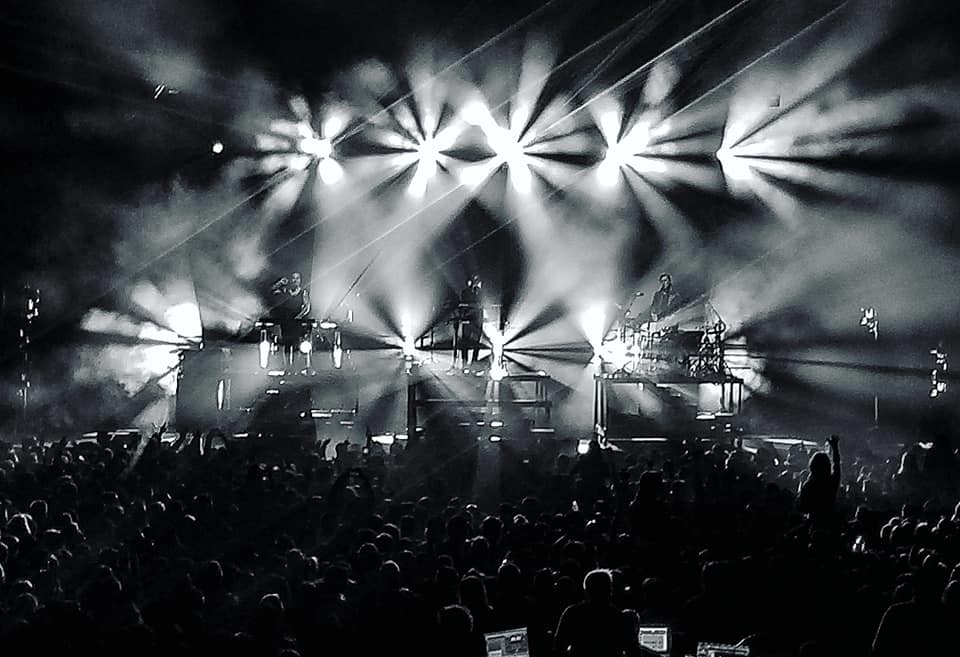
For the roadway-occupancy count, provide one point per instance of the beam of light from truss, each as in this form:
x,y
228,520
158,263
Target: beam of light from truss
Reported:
x,y
768,53
632,75
450,67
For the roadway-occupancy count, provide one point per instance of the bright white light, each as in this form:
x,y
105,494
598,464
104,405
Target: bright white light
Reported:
x,y
429,152
221,386
337,356
505,145
184,319
333,125
495,438
264,354
475,113
497,372
521,178
445,139
583,447
608,172
217,147
327,324
610,126
315,146
306,347
474,175
593,325
737,170
330,171
409,347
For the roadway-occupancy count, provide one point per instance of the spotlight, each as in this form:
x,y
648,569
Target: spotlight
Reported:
x,y
330,171
495,438
505,145
608,172
409,348
497,372
327,325
593,325
475,113
217,147
610,126
313,145
583,447
306,347
333,125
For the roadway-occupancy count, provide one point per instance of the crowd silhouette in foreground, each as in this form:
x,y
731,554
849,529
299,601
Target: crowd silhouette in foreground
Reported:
x,y
132,545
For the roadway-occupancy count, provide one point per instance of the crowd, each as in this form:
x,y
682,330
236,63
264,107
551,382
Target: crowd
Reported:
x,y
134,545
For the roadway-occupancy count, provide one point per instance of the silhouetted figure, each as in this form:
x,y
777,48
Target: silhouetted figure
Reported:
x,y
594,627
818,494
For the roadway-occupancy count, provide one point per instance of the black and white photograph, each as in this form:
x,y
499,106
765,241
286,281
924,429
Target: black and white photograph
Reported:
x,y
479,328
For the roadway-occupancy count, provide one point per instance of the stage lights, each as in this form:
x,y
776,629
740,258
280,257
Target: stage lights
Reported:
x,y
505,143
306,346
593,325
333,125
476,113
315,146
265,347
330,171
217,147
409,348
620,152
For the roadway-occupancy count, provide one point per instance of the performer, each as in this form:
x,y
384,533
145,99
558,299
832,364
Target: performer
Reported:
x,y
471,316
664,300
292,308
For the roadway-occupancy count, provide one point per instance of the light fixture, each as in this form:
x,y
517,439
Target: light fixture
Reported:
x,y
306,346
315,146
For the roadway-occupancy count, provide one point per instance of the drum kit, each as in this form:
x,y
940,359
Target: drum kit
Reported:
x,y
644,345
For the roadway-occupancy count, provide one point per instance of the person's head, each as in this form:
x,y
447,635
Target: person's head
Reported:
x,y
295,279
666,281
819,465
598,585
